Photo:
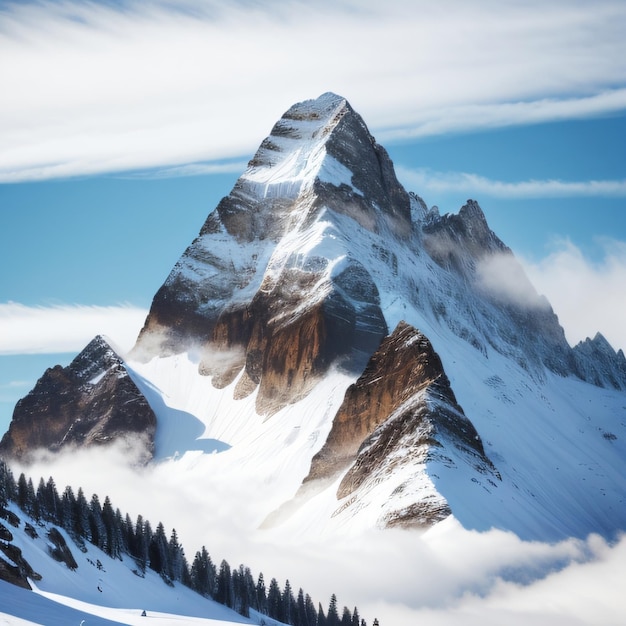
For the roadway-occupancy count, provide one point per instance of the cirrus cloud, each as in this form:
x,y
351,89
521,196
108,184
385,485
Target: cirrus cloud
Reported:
x,y
65,328
445,182
133,85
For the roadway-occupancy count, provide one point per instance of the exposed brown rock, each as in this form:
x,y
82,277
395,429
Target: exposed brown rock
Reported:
x,y
93,401
400,410
403,365
14,568
59,550
288,347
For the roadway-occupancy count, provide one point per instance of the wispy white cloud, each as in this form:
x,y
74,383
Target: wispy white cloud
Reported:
x,y
65,328
502,276
15,384
588,296
482,116
111,87
192,169
426,180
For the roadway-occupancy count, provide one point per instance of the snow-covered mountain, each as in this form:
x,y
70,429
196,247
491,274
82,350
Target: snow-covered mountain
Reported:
x,y
362,361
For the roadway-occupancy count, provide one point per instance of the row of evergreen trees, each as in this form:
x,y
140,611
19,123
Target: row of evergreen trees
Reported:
x,y
117,535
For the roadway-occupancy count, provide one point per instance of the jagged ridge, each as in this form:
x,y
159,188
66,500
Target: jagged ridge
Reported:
x,y
92,401
401,410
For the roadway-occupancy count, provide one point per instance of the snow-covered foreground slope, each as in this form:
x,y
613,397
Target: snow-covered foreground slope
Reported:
x,y
101,590
443,577
19,607
558,451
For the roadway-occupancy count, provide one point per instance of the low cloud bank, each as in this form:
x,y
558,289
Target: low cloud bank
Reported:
x,y
588,296
502,276
447,575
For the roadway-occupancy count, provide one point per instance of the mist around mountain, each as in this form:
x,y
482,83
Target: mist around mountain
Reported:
x,y
362,392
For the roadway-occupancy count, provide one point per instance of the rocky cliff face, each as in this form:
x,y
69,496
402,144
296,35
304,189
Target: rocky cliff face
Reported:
x,y
93,401
598,363
269,278
401,411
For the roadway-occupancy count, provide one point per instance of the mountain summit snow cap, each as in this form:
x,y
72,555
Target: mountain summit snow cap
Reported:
x,y
319,155
294,150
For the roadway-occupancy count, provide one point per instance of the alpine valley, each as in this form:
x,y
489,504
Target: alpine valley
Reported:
x,y
330,359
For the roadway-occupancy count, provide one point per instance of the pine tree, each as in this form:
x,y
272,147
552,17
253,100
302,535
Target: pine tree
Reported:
x,y
176,557
289,604
346,617
224,593
53,502
112,543
261,595
83,527
311,613
120,545
33,509
185,576
274,600
238,592
332,617
356,620
8,486
22,493
321,617
40,496
301,618
142,537
96,524
48,501
68,512
203,574
158,551
128,534
245,590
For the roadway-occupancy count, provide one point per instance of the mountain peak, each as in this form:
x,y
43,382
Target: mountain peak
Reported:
x,y
320,155
293,151
599,363
92,401
272,336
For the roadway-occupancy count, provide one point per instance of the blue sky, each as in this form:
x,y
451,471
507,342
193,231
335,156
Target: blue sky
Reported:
x,y
122,124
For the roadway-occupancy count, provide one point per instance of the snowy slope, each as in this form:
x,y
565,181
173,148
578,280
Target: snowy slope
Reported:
x,y
101,590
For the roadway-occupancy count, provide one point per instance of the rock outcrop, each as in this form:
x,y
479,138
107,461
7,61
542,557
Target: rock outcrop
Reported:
x,y
401,411
599,364
14,568
92,401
